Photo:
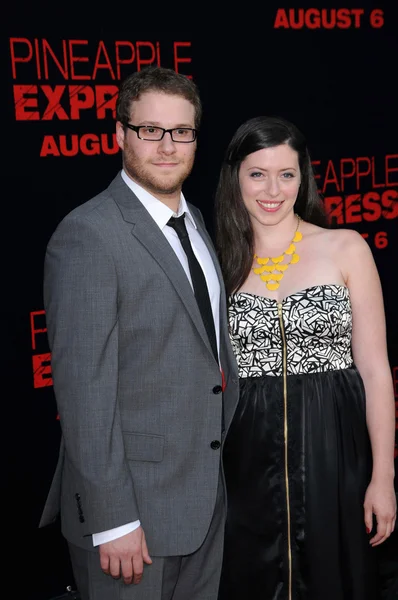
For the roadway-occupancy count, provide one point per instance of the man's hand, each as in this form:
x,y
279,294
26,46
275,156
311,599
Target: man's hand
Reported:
x,y
125,556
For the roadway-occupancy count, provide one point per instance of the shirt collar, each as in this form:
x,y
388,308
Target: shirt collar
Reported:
x,y
159,212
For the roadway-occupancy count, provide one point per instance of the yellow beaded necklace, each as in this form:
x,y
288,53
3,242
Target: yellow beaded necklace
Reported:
x,y
275,272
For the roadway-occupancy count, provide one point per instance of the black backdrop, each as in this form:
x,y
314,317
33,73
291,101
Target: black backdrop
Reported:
x,y
331,71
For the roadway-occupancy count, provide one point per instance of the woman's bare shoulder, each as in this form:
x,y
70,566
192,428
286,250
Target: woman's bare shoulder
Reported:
x,y
341,239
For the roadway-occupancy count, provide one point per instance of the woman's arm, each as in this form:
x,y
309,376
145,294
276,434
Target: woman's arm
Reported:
x,y
370,356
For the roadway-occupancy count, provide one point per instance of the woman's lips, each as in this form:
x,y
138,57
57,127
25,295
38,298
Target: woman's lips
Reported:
x,y
269,206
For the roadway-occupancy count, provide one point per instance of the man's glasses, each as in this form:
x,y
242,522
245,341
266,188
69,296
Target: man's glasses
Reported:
x,y
182,135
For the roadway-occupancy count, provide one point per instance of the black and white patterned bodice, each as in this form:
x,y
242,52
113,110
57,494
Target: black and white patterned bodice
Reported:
x,y
317,324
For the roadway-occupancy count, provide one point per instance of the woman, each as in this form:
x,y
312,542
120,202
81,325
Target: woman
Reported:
x,y
309,455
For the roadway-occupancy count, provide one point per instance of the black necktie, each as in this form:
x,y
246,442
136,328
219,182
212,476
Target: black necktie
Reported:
x,y
198,280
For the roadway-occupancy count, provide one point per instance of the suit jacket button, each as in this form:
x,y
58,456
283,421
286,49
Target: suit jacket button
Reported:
x,y
217,389
81,519
215,444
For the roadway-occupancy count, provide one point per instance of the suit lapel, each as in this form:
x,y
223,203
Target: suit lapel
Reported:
x,y
147,232
228,360
207,240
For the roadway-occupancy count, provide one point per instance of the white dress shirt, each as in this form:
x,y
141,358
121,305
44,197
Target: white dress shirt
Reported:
x,y
161,215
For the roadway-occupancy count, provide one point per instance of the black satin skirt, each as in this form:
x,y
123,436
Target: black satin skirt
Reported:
x,y
297,473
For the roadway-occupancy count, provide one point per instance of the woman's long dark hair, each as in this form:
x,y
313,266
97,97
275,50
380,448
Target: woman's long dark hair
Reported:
x,y
234,232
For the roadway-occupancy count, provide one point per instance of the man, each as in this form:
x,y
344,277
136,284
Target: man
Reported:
x,y
144,375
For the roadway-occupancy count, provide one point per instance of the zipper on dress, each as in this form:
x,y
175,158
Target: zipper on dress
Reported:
x,y
286,437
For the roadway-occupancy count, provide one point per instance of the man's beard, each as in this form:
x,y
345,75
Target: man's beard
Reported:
x,y
156,184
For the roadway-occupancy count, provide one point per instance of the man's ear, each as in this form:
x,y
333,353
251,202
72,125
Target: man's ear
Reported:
x,y
120,134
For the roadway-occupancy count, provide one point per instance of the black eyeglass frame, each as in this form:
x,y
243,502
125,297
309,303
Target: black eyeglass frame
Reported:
x,y
137,128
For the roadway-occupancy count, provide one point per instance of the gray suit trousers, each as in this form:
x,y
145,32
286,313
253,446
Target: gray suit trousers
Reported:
x,y
192,577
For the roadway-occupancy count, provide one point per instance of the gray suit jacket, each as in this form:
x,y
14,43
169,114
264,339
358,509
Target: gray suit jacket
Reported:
x,y
135,380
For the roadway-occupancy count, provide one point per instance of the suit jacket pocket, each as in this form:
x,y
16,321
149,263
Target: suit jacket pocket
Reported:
x,y
143,446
